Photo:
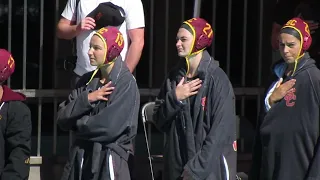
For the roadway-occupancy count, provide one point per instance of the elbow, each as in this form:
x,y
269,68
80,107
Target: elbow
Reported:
x,y
64,123
162,128
160,125
138,44
61,34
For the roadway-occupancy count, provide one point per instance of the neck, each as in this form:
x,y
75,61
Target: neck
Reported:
x,y
290,66
194,62
105,71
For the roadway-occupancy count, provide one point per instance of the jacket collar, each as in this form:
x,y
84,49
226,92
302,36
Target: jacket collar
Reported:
x,y
113,76
281,66
203,65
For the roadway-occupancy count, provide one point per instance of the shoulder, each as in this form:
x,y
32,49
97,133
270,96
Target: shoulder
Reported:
x,y
19,119
84,79
217,73
310,80
313,73
18,106
219,81
134,14
125,76
128,4
19,111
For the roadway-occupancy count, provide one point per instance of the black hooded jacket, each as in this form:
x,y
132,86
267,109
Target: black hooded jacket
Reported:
x,y
287,140
15,136
102,126
201,143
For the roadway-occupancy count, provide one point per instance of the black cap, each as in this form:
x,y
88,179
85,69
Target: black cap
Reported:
x,y
107,14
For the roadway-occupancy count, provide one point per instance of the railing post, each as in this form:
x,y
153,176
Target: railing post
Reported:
x,y
197,8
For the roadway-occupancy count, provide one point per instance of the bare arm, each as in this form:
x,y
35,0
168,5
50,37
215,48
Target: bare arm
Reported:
x,y
135,48
66,29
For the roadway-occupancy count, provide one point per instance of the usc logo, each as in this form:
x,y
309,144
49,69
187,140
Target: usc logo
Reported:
x,y
293,22
290,98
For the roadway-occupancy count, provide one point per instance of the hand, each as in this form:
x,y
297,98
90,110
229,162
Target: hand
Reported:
x,y
281,90
188,89
101,93
313,25
87,23
186,176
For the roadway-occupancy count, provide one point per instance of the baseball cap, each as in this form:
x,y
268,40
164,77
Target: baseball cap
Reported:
x,y
107,14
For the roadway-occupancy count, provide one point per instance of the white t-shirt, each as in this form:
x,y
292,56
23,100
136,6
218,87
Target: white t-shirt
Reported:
x,y
134,18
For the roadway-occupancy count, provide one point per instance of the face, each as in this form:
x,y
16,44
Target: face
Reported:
x,y
96,51
289,47
184,42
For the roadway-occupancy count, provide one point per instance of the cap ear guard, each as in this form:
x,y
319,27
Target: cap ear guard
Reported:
x,y
307,41
202,42
5,73
113,52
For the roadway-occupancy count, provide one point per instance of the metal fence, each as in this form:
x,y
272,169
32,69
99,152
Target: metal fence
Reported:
x,y
149,66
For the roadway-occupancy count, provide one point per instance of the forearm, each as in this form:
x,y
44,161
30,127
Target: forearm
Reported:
x,y
71,110
113,120
66,31
17,165
18,146
165,110
134,54
208,160
217,146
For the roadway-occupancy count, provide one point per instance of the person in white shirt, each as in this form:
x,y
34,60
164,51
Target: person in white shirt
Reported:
x,y
75,23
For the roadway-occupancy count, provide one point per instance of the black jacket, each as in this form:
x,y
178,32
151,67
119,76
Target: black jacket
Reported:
x,y
202,145
15,136
287,140
100,127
